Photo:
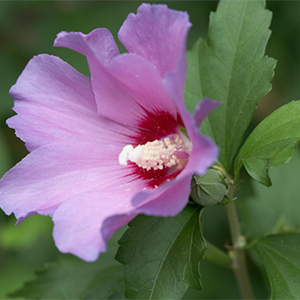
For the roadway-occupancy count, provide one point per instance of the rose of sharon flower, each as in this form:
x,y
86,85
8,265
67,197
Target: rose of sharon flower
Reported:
x,y
105,148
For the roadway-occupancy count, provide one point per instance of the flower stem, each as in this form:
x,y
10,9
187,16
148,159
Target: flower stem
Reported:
x,y
239,265
217,256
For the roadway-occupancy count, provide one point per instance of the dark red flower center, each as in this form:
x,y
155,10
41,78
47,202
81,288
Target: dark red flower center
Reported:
x,y
161,150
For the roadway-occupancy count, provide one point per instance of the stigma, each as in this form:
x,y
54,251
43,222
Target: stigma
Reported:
x,y
170,152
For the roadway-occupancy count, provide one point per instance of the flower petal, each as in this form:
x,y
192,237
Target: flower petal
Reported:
x,y
144,87
156,33
99,43
54,102
53,173
79,222
204,152
128,90
203,108
167,200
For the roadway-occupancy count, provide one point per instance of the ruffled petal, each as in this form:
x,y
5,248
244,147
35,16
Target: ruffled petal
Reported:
x,y
79,222
128,90
157,34
98,43
107,211
53,173
54,102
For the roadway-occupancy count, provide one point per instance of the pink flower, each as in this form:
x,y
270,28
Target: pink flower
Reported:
x,y
105,148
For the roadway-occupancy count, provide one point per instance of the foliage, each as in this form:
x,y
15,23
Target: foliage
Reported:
x,y
230,66
162,255
271,143
281,256
71,278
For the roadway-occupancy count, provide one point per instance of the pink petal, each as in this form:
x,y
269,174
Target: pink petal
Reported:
x,y
167,200
144,87
203,108
53,173
204,152
54,102
156,33
99,43
79,222
128,90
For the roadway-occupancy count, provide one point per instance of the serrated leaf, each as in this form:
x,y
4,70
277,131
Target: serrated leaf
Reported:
x,y
230,66
72,278
274,209
162,255
107,284
271,143
280,255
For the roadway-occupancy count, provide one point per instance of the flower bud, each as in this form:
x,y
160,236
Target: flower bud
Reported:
x,y
210,188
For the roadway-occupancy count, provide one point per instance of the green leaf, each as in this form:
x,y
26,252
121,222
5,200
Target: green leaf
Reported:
x,y
275,209
107,284
162,255
271,143
280,255
230,66
72,278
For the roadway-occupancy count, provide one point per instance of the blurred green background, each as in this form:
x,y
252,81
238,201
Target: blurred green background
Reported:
x,y
28,28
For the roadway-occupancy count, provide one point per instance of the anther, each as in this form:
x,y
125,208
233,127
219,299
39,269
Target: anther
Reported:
x,y
156,154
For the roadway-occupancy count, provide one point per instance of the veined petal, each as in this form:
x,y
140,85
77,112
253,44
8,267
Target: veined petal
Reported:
x,y
157,34
128,90
55,103
144,87
78,222
53,173
99,43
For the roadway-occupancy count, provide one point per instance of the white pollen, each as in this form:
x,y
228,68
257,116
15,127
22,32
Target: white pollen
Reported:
x,y
123,156
136,154
156,154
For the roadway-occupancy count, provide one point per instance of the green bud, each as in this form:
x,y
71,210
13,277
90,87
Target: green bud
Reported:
x,y
210,188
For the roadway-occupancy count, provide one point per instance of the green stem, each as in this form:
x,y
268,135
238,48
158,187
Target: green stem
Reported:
x,y
239,265
217,256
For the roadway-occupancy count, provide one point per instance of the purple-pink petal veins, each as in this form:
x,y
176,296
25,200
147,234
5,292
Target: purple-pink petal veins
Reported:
x,y
129,88
76,129
141,34
83,237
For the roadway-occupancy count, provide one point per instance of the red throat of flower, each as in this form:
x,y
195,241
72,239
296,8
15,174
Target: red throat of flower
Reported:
x,y
158,159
